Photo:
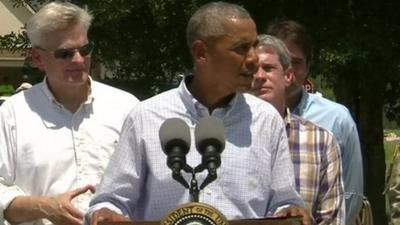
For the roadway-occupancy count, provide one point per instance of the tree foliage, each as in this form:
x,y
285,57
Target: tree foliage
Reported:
x,y
142,41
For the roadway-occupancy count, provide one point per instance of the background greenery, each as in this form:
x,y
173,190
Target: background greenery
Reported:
x,y
357,53
6,89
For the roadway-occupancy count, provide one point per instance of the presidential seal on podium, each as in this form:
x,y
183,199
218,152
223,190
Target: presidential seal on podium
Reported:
x,y
195,213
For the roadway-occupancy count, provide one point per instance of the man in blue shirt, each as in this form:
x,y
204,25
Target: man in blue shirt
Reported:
x,y
328,114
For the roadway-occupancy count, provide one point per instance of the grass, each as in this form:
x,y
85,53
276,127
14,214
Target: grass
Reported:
x,y
390,146
389,151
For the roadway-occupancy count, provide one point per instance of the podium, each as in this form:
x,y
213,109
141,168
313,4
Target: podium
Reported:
x,y
265,221
195,213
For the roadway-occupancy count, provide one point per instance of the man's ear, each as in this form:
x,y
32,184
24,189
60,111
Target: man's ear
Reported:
x,y
37,59
199,50
289,76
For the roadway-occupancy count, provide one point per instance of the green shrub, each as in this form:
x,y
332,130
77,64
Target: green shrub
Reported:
x,y
6,89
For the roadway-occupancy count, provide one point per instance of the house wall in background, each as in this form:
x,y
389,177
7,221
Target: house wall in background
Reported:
x,y
12,20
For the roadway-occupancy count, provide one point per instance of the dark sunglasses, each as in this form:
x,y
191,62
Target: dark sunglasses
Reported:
x,y
68,53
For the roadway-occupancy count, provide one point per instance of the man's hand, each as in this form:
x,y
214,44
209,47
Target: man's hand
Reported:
x,y
106,215
294,210
59,209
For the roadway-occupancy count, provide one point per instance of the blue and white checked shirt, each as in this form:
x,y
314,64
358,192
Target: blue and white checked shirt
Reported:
x,y
256,174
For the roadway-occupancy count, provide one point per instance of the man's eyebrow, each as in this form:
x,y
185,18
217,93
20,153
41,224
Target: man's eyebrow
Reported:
x,y
242,42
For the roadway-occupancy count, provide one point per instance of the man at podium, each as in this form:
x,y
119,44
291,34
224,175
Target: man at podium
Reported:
x,y
255,179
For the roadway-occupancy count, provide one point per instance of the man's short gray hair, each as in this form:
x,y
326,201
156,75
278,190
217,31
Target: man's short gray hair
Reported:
x,y
207,23
279,46
55,16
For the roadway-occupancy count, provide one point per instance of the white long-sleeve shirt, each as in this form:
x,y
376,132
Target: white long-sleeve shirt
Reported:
x,y
46,150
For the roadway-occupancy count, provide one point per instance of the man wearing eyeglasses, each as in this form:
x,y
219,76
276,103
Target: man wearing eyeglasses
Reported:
x,y
56,138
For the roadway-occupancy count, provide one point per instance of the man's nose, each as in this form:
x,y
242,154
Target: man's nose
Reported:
x,y
252,60
259,74
77,57
252,56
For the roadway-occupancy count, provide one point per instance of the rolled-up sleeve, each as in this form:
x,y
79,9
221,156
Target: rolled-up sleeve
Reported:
x,y
8,191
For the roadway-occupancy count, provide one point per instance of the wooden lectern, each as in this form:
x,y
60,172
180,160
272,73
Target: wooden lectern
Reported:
x,y
267,221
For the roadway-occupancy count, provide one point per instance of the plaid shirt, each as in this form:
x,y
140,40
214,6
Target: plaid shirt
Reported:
x,y
318,169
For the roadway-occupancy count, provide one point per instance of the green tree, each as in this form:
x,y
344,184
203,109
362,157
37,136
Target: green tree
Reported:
x,y
356,50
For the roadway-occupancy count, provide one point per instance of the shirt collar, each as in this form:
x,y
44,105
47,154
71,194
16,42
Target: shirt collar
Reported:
x,y
195,107
302,106
46,90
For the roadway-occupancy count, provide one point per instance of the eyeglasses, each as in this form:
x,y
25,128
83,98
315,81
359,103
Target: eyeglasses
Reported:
x,y
68,53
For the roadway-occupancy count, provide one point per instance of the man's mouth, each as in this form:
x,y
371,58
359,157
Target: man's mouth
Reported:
x,y
265,90
76,70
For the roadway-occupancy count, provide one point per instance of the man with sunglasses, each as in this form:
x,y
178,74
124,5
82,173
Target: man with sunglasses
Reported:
x,y
56,138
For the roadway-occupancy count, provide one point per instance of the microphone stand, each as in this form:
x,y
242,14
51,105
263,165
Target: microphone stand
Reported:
x,y
194,189
211,176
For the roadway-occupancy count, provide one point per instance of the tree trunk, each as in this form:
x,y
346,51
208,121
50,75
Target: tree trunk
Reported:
x,y
363,96
371,134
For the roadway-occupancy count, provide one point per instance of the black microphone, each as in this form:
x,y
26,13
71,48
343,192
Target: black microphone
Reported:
x,y
175,142
210,142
